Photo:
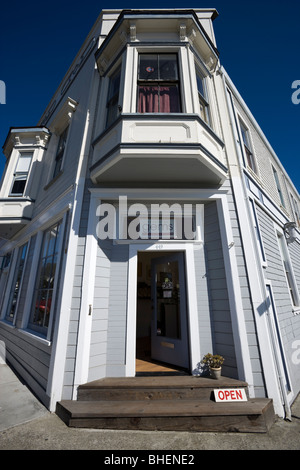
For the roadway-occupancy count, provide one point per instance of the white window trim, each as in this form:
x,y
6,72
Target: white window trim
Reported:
x,y
20,153
242,124
10,275
25,326
194,339
285,257
62,120
207,97
276,343
16,267
135,64
278,186
29,325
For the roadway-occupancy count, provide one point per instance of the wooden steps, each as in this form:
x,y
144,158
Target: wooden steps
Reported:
x,y
164,403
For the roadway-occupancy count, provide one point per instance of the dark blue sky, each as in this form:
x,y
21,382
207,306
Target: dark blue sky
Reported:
x,y
259,43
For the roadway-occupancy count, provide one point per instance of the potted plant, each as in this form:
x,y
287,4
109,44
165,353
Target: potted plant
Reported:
x,y
214,363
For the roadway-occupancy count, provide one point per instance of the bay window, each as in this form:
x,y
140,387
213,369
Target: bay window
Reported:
x,y
158,84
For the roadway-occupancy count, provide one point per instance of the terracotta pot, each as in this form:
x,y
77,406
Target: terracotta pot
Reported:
x,y
215,372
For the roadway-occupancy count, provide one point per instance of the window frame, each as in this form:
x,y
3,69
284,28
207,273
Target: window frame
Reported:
x,y
278,186
288,271
295,209
46,331
159,82
21,175
113,96
60,153
248,153
203,95
17,276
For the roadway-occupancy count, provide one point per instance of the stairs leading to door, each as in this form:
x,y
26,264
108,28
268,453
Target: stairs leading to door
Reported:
x,y
171,403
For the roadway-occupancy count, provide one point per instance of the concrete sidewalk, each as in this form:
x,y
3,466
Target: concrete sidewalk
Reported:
x,y
17,404
25,424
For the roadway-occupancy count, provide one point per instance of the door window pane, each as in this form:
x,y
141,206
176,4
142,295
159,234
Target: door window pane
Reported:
x,y
168,300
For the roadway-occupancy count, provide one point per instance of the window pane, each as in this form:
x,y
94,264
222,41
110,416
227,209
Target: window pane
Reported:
x,y
19,185
60,152
168,67
113,97
200,85
62,142
203,112
46,278
148,99
148,67
159,99
114,84
112,111
169,99
24,163
17,282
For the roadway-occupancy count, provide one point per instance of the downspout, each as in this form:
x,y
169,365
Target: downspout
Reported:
x,y
286,406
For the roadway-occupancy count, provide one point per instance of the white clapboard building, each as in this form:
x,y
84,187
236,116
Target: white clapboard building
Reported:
x,y
147,216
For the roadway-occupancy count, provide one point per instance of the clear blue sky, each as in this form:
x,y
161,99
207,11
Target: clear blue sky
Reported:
x,y
258,40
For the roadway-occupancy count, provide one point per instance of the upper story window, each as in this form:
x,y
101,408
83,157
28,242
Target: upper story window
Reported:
x,y
60,152
279,190
202,96
296,211
113,97
158,84
247,147
21,174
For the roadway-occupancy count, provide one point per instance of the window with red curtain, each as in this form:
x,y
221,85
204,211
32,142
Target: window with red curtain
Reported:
x,y
158,84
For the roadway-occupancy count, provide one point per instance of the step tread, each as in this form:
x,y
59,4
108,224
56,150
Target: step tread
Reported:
x,y
147,408
162,382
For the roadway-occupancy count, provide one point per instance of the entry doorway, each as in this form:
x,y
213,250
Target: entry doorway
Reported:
x,y
161,326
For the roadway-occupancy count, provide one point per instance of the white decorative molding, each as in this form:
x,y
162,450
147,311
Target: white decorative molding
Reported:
x,y
192,36
42,140
133,32
182,32
64,115
210,64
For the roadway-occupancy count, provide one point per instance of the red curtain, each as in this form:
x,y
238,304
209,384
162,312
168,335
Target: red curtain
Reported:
x,y
158,99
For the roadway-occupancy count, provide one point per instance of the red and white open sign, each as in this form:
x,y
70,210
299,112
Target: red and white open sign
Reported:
x,y
230,394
